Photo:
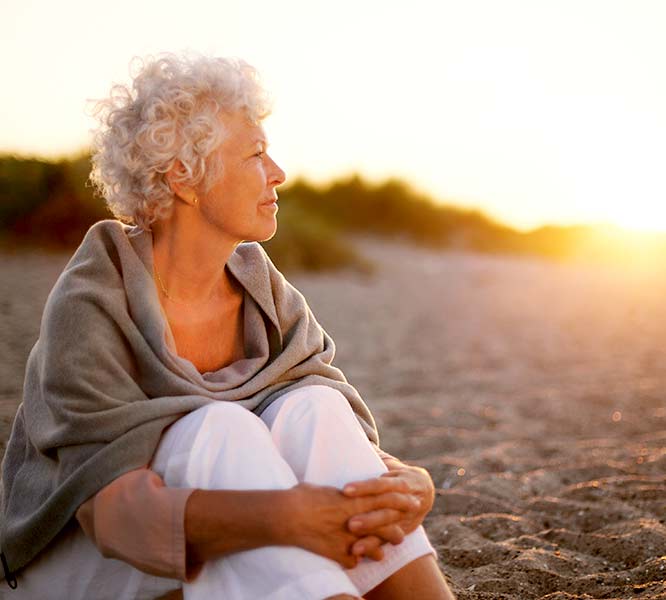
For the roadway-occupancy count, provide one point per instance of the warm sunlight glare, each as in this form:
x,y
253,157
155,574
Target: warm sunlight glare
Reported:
x,y
648,219
634,248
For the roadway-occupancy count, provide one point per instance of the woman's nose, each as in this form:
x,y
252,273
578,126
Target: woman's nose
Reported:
x,y
278,176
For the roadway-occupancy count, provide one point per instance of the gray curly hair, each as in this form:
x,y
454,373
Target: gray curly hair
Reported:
x,y
168,118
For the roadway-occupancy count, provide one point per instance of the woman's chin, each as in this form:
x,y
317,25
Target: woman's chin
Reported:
x,y
265,234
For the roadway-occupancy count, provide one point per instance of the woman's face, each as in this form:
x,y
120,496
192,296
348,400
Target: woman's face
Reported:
x,y
241,203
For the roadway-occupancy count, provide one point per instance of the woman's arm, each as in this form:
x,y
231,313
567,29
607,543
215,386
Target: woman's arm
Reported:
x,y
316,518
138,520
170,532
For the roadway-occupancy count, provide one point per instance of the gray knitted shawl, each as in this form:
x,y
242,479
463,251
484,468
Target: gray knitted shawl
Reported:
x,y
102,383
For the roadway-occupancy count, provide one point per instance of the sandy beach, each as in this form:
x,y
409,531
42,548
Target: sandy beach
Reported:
x,y
534,393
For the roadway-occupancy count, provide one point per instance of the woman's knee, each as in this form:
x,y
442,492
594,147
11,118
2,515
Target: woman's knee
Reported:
x,y
230,426
317,401
318,435
212,430
217,419
234,449
232,419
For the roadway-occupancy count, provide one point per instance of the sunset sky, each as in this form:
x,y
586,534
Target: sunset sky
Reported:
x,y
534,111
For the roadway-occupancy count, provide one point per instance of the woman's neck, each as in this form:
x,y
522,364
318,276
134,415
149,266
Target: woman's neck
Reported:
x,y
190,264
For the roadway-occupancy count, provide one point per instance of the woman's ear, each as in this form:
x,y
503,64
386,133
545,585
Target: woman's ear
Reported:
x,y
180,190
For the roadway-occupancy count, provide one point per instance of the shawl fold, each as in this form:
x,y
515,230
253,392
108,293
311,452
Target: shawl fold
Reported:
x,y
102,383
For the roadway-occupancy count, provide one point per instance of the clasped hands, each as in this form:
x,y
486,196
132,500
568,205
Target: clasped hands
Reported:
x,y
347,524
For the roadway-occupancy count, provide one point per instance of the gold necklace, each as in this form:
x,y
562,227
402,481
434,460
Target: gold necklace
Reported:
x,y
169,297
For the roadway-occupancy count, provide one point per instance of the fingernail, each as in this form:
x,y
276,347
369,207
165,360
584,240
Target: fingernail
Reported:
x,y
350,489
355,524
359,549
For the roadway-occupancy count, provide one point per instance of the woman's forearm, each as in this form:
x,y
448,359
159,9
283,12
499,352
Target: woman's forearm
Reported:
x,y
219,522
312,517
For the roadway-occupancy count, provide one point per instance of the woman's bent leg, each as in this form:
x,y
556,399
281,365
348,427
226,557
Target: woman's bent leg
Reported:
x,y
421,578
224,446
317,433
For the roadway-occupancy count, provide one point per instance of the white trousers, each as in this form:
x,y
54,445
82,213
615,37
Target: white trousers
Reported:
x,y
308,435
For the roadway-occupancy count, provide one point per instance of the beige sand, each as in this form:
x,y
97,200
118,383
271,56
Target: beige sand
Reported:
x,y
534,393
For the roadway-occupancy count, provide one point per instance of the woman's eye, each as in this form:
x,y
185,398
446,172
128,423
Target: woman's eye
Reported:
x,y
260,154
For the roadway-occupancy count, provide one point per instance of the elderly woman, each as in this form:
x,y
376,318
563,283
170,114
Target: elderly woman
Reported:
x,y
183,431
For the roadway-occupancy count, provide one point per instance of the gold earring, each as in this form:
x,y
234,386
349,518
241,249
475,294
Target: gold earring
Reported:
x,y
196,201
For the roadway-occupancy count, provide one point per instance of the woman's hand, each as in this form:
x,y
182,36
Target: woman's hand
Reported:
x,y
318,520
400,479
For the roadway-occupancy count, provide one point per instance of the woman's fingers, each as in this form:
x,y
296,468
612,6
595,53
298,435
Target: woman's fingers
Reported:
x,y
370,546
325,519
377,485
393,534
348,561
401,501
371,521
376,512
393,500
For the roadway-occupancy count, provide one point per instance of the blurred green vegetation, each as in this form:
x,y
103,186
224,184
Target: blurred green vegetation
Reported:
x,y
46,204
50,205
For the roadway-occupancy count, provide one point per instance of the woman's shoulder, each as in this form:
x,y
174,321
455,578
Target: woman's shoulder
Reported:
x,y
106,237
95,268
100,248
